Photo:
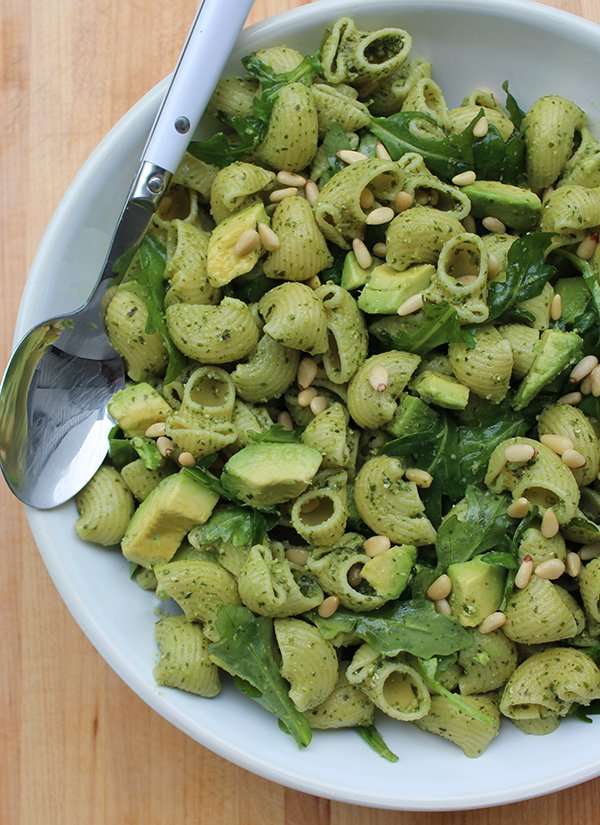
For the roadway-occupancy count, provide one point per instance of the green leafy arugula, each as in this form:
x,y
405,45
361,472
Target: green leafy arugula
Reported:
x,y
251,287
584,712
246,650
203,476
590,278
515,113
276,434
370,735
148,451
428,670
240,526
334,141
123,450
423,331
526,273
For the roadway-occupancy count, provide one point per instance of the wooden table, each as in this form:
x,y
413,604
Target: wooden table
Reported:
x,y
77,746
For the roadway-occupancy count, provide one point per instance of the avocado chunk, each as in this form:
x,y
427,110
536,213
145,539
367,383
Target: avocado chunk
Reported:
x,y
477,590
519,208
412,416
436,388
267,474
136,407
163,519
554,352
222,262
353,275
387,289
388,573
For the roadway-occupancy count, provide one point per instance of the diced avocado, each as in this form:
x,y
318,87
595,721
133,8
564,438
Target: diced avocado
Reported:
x,y
163,519
519,208
266,474
574,295
436,388
353,275
222,262
412,416
387,289
136,407
554,352
477,590
389,572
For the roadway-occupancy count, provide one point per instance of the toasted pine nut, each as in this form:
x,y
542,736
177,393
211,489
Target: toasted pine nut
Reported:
x,y
307,372
524,573
494,225
587,247
422,198
493,265
380,249
306,396
595,382
585,388
559,444
382,153
572,398
314,282
518,508
420,477
319,404
268,238
590,551
291,179
481,128
355,575
550,525
556,307
551,569
403,201
284,419
573,459
367,199
156,430
443,606
247,242
573,565
311,190
363,256
379,378
281,194
296,555
412,304
376,545
328,606
165,446
492,622
583,368
464,178
440,588
466,280
469,224
384,214
350,156
519,453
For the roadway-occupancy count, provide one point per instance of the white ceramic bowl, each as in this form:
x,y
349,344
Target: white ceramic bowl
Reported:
x,y
471,43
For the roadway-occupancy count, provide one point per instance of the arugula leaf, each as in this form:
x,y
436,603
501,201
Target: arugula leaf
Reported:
x,y
375,741
590,277
428,670
423,331
203,476
499,159
240,526
333,273
251,287
343,621
334,141
515,113
582,712
246,650
417,430
120,450
276,434
500,558
148,451
526,273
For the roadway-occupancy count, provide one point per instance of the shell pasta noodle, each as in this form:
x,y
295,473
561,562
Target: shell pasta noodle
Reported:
x,y
355,464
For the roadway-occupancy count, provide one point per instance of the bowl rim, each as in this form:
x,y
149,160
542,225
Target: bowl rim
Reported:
x,y
320,11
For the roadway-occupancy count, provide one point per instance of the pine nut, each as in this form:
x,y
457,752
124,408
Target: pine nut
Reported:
x,y
247,242
384,214
281,194
547,192
556,307
583,368
296,555
379,379
268,238
573,565
363,256
306,396
550,525
307,372
290,179
314,282
585,388
493,622
481,128
186,460
412,304
382,153
493,265
466,280
319,404
380,249
519,453
367,199
524,573
311,190
559,444
419,477
464,178
440,588
494,225
165,446
552,569
518,508
469,224
443,606
328,606
284,419
350,156
311,506
572,398
422,199
590,551
573,459
403,201
355,575
156,430
595,382
376,545
587,248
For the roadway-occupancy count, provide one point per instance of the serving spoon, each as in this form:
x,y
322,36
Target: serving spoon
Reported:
x,y
54,421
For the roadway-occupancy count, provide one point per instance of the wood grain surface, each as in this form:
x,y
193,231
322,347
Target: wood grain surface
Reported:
x,y
77,747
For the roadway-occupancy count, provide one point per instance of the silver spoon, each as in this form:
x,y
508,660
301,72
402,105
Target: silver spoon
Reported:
x,y
53,418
